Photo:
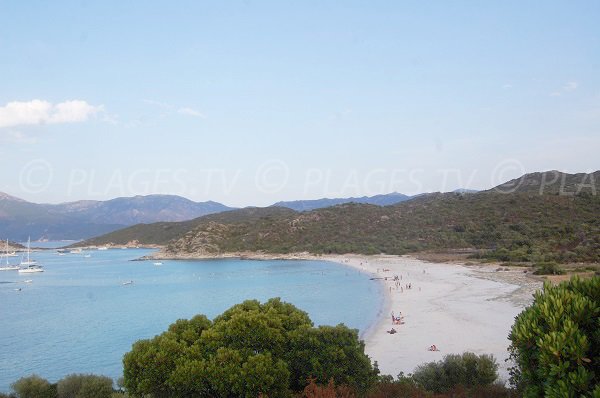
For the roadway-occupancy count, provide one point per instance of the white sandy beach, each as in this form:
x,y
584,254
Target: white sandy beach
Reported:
x,y
458,308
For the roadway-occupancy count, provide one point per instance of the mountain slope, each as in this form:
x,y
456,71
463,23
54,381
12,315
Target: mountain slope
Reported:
x,y
515,227
552,183
139,209
20,219
307,205
520,226
163,232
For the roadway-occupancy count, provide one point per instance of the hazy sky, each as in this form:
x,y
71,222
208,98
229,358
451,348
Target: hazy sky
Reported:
x,y
248,103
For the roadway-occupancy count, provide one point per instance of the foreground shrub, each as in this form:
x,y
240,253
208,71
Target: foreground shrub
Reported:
x,y
555,342
467,370
34,387
548,268
404,386
85,386
249,350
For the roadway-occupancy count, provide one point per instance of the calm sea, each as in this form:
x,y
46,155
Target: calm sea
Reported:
x,y
78,317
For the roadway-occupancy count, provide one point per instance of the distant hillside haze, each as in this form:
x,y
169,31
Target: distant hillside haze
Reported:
x,y
380,200
20,219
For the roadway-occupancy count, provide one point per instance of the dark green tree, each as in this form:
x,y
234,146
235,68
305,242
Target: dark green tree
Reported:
x,y
466,370
250,349
555,342
34,387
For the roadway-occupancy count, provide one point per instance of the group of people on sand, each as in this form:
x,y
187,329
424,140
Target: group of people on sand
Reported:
x,y
397,320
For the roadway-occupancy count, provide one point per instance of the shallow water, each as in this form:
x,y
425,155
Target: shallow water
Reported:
x,y
78,316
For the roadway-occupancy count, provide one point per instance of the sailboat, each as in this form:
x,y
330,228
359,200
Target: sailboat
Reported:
x,y
30,265
8,267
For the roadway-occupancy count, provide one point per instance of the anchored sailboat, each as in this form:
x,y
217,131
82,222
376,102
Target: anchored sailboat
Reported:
x,y
30,265
8,267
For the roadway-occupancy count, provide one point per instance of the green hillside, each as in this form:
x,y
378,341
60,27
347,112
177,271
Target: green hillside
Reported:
x,y
161,233
516,227
521,226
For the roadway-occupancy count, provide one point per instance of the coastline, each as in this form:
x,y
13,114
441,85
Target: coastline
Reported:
x,y
455,305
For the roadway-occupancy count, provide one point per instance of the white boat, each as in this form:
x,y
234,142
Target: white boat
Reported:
x,y
103,248
8,267
158,263
127,283
76,251
31,269
87,255
30,265
28,280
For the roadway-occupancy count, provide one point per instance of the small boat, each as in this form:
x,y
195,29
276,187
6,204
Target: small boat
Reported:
x,y
30,265
87,256
28,280
76,251
103,248
8,267
158,263
31,269
127,283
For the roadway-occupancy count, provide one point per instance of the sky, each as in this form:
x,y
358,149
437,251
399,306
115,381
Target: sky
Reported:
x,y
252,102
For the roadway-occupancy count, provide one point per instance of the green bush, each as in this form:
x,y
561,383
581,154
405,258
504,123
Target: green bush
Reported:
x,y
555,342
34,387
467,370
85,386
251,349
548,268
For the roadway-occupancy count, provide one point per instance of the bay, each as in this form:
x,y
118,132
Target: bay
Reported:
x,y
79,317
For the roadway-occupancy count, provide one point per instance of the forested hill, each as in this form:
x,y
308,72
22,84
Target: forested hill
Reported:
x,y
510,227
518,226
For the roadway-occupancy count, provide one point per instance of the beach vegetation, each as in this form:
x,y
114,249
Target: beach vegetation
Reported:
x,y
251,349
467,370
34,386
555,342
548,268
85,386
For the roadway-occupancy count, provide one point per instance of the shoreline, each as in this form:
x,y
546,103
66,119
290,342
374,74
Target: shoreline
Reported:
x,y
454,306
458,306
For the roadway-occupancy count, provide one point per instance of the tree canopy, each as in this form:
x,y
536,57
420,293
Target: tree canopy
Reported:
x,y
555,342
251,349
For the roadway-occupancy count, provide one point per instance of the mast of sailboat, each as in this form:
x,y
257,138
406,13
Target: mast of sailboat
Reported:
x,y
28,243
6,251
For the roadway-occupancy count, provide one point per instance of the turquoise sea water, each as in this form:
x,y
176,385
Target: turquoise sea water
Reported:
x,y
79,317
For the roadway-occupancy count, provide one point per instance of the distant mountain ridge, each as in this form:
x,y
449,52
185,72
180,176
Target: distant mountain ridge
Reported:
x,y
552,182
533,225
379,200
20,219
